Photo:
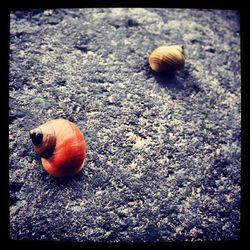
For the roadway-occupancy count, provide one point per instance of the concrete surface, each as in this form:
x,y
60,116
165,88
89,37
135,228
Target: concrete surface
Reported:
x,y
164,151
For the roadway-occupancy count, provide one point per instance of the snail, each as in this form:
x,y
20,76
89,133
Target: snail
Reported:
x,y
167,58
61,145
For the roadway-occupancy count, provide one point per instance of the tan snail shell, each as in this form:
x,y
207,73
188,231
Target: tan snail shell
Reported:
x,y
61,145
167,58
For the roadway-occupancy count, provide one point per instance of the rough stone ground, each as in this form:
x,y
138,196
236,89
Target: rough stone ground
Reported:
x,y
163,159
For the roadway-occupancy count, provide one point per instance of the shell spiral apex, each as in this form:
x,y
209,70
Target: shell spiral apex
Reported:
x,y
167,58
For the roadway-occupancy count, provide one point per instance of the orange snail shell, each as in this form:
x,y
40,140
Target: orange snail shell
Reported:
x,y
61,145
167,58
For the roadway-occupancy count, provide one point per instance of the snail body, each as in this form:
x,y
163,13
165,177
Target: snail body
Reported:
x,y
167,58
61,145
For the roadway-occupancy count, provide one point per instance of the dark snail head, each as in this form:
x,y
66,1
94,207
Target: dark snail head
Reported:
x,y
36,136
44,140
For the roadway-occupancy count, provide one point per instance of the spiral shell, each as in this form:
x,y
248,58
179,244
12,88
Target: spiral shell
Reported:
x,y
167,58
61,145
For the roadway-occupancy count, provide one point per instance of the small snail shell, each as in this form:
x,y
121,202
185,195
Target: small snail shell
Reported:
x,y
167,58
61,145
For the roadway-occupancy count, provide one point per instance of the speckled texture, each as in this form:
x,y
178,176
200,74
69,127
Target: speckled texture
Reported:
x,y
163,161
